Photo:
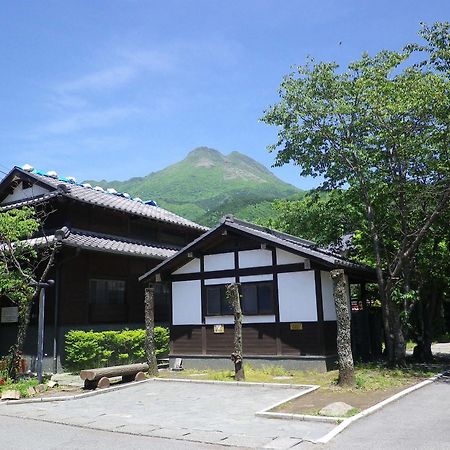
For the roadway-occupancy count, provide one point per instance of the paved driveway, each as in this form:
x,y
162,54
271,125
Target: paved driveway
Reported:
x,y
210,413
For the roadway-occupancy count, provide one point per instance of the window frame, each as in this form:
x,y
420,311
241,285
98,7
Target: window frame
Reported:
x,y
100,278
223,311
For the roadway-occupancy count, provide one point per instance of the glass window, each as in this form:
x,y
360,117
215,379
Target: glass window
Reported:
x,y
213,300
256,298
107,292
249,299
265,298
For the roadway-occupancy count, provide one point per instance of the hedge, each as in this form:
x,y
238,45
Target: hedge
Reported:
x,y
90,349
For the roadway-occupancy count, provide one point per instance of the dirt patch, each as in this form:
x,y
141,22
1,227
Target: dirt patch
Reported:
x,y
60,391
313,402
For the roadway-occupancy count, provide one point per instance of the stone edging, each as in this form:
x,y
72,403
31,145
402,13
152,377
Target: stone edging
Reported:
x,y
63,398
306,387
343,422
346,422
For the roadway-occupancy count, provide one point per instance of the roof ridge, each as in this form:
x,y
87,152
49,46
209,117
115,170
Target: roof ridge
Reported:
x,y
127,240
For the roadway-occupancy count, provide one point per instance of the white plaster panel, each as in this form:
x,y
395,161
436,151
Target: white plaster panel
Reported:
x,y
329,310
255,258
191,267
220,281
227,320
19,193
297,296
255,278
186,303
284,257
220,261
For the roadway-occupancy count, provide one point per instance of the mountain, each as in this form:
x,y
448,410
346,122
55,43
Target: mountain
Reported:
x,y
207,185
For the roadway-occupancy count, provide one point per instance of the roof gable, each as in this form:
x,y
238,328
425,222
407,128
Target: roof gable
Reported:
x,y
287,243
52,185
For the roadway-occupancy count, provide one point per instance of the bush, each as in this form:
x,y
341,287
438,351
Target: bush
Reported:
x,y
90,349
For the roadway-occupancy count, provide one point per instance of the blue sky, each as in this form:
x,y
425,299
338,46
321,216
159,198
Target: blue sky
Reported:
x,y
113,89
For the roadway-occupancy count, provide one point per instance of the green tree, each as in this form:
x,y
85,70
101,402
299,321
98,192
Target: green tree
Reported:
x,y
22,267
379,129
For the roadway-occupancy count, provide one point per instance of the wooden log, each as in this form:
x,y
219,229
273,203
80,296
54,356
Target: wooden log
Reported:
x,y
114,371
140,376
103,383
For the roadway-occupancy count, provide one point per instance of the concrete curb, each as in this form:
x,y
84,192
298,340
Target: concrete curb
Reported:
x,y
347,422
64,398
242,383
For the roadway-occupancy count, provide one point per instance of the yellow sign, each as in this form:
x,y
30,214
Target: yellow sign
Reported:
x,y
219,329
296,326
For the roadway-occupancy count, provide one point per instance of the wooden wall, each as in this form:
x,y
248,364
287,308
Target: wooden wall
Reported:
x,y
258,339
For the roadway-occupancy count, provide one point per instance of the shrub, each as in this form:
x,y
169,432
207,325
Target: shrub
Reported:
x,y
89,349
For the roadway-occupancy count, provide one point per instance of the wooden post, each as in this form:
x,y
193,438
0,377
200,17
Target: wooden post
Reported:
x,y
149,330
344,348
237,358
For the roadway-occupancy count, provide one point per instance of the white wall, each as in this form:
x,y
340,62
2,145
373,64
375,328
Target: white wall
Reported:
x,y
297,296
228,320
329,310
284,257
255,258
256,278
220,281
19,193
220,261
186,303
191,267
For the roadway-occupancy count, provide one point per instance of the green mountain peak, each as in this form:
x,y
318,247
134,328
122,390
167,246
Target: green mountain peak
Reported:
x,y
208,184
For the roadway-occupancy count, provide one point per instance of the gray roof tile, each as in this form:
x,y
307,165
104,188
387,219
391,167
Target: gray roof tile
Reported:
x,y
105,199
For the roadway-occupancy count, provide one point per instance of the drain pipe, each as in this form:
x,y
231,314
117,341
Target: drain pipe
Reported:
x,y
56,310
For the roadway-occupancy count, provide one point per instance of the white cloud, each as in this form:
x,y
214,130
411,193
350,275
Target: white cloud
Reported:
x,y
83,120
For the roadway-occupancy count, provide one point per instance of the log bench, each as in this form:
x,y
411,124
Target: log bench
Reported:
x,y
100,378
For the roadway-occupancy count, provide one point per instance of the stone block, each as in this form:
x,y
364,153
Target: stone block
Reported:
x,y
31,391
40,388
11,395
51,384
336,409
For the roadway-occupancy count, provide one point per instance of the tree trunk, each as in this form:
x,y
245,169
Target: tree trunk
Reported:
x,y
15,352
344,346
150,353
237,358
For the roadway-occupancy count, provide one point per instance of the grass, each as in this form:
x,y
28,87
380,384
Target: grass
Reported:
x,y
21,386
368,376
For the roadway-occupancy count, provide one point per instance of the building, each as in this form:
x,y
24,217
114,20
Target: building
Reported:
x,y
110,239
286,296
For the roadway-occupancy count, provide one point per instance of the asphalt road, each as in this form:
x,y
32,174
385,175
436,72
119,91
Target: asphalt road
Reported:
x,y
16,433
419,421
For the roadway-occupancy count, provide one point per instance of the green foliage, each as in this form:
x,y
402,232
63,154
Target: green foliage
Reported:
x,y
90,349
17,225
206,185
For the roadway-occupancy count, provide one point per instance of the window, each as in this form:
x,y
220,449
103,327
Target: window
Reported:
x,y
106,292
216,301
256,298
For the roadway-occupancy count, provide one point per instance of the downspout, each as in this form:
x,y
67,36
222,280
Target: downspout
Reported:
x,y
56,314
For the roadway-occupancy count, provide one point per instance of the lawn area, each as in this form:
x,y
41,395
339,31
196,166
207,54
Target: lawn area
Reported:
x,y
20,386
374,383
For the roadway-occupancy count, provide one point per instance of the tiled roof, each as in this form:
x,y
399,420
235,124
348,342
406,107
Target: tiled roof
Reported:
x,y
105,199
105,243
309,248
306,248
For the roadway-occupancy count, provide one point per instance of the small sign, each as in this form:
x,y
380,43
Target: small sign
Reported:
x,y
218,329
10,314
296,326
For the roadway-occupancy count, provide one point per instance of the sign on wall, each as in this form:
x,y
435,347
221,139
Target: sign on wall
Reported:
x,y
218,329
10,314
296,326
